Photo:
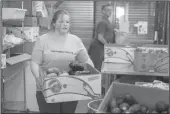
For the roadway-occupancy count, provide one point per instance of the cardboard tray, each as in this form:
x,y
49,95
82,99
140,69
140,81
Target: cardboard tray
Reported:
x,y
144,95
73,88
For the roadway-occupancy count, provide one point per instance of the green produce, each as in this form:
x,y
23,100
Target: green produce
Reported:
x,y
154,111
127,111
161,106
149,110
53,70
75,66
51,75
71,72
143,109
115,110
113,103
135,108
124,106
130,99
119,100
165,112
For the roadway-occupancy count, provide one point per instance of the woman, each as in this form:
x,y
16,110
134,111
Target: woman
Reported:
x,y
57,48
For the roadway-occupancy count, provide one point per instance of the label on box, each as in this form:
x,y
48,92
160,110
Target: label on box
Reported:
x,y
118,54
3,61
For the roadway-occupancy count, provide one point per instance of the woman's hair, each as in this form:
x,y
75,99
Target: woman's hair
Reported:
x,y
57,15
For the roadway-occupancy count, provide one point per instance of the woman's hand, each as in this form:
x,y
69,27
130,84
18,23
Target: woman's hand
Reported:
x,y
83,57
36,71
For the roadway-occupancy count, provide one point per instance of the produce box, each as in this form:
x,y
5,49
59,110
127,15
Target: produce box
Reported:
x,y
118,53
151,59
129,98
72,86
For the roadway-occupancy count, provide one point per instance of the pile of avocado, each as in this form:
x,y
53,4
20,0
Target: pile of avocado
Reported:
x,y
54,72
128,104
77,69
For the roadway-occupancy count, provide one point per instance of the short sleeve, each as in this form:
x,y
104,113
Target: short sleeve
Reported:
x,y
101,28
37,53
82,54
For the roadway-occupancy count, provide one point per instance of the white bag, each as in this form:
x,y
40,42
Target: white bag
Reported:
x,y
121,38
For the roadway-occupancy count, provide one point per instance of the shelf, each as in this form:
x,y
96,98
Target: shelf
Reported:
x,y
19,58
5,47
13,14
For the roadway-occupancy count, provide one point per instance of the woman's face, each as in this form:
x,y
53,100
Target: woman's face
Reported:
x,y
63,23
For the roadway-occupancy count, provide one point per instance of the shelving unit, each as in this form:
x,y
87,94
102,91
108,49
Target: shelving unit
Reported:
x,y
13,60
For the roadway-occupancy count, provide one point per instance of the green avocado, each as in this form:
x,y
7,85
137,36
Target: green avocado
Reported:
x,y
143,109
124,106
135,108
165,112
115,110
130,99
119,100
154,111
75,66
113,103
71,72
161,106
127,112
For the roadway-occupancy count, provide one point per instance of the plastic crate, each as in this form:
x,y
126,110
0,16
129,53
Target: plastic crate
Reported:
x,y
13,13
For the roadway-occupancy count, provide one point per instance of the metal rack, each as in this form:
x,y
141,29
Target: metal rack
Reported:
x,y
20,70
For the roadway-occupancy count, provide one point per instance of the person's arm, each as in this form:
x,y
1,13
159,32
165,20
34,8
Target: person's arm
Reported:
x,y
82,55
36,60
101,29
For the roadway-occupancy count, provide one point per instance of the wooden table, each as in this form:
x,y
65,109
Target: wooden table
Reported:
x,y
112,69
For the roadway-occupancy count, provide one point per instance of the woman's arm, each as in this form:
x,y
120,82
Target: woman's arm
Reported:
x,y
36,61
82,55
35,71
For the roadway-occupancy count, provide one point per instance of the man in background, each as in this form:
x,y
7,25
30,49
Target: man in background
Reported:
x,y
104,34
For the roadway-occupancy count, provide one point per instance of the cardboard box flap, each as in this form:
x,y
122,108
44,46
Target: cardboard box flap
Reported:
x,y
143,95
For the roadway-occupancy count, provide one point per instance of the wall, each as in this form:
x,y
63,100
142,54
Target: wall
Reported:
x,y
140,11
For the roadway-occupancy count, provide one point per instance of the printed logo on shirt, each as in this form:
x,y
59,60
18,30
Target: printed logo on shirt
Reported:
x,y
63,52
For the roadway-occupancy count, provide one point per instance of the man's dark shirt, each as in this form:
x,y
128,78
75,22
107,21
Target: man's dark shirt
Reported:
x,y
105,28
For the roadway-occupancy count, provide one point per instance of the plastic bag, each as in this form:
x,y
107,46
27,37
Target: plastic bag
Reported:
x,y
121,38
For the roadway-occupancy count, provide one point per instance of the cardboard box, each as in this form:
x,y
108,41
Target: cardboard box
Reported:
x,y
152,59
144,62
72,88
143,95
118,53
